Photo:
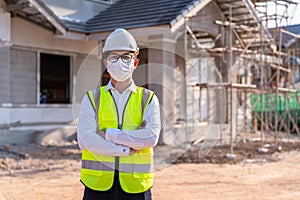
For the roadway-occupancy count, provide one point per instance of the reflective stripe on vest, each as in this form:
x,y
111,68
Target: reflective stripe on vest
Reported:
x,y
123,167
135,171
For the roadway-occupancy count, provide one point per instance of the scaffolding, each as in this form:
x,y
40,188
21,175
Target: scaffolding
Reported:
x,y
260,86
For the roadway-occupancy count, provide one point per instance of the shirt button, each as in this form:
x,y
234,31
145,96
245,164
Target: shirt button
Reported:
x,y
124,150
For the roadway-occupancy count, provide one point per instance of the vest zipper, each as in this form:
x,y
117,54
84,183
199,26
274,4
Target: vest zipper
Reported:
x,y
120,126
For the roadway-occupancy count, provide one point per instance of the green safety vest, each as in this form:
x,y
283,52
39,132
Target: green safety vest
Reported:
x,y
135,171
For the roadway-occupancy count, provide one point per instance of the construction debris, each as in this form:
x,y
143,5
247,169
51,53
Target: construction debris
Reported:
x,y
7,149
263,150
244,152
34,158
230,156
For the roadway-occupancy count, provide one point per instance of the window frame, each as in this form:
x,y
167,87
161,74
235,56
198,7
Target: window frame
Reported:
x,y
71,75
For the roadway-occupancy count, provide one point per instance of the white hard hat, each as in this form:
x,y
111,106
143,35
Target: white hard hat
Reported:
x,y
120,39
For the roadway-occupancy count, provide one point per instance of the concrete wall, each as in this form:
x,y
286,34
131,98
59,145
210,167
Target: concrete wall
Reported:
x,y
201,70
19,68
26,117
5,37
161,78
180,80
204,20
30,35
161,71
5,74
5,34
23,76
40,114
26,48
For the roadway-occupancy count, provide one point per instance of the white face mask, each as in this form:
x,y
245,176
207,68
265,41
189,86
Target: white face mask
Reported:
x,y
119,70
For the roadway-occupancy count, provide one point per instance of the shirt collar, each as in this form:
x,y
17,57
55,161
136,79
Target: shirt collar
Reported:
x,y
132,87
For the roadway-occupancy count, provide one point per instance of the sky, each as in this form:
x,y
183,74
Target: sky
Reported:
x,y
296,18
293,12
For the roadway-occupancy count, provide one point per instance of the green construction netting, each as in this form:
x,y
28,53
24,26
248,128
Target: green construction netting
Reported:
x,y
268,105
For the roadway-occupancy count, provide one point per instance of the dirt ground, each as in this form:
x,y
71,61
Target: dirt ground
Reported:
x,y
39,172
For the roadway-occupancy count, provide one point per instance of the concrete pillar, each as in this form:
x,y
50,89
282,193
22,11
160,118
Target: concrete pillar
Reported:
x,y
5,59
180,81
228,73
232,59
161,72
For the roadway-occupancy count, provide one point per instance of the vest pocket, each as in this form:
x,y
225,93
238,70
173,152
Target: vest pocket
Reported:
x,y
89,172
97,180
143,175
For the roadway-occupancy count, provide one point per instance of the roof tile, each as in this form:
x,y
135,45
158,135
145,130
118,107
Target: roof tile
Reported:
x,y
132,14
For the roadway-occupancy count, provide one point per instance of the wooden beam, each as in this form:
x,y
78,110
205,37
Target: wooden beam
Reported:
x,y
244,86
49,16
193,36
241,13
229,2
289,33
18,6
286,89
279,67
180,20
225,23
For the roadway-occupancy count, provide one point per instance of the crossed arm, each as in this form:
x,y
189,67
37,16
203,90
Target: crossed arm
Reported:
x,y
116,142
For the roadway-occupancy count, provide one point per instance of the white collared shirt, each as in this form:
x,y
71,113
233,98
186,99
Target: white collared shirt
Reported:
x,y
118,142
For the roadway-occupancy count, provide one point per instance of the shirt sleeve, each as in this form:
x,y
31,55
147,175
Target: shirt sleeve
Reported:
x,y
142,138
87,137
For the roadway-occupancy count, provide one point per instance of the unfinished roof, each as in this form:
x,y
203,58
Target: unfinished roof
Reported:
x,y
36,12
244,18
132,14
287,39
124,13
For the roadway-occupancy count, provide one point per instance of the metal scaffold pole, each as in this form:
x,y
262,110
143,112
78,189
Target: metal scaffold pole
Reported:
x,y
230,80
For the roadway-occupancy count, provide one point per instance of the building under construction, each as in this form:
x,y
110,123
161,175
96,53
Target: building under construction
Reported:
x,y
259,67
225,70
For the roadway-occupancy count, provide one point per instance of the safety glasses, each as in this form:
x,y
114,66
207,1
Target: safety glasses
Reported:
x,y
126,57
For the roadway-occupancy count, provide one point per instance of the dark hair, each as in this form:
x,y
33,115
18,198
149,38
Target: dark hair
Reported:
x,y
105,54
